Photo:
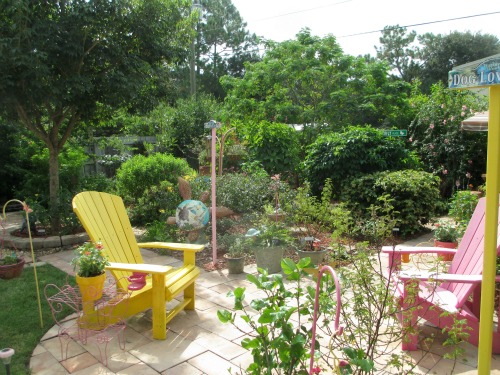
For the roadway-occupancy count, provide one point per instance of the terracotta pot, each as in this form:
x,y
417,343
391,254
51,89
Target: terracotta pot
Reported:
x,y
446,245
91,287
10,271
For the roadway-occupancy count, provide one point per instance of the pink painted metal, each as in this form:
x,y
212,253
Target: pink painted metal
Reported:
x,y
214,205
338,329
96,326
443,298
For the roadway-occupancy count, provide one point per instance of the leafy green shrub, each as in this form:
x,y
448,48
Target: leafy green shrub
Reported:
x,y
156,202
275,146
414,196
139,174
457,156
244,193
97,182
313,214
69,222
160,231
32,165
462,206
354,152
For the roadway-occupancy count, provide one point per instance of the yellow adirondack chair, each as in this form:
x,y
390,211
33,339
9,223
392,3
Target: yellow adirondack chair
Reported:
x,y
105,220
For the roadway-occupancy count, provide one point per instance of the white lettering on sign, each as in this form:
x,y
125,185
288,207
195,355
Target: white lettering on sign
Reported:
x,y
479,73
462,79
491,77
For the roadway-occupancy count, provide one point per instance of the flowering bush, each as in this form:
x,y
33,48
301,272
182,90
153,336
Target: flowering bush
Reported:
x,y
90,260
446,232
456,156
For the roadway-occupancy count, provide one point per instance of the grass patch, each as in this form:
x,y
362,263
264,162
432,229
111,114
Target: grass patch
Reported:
x,y
19,317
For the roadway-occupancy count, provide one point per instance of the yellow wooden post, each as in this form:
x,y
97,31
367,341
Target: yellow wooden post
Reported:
x,y
490,237
159,307
486,73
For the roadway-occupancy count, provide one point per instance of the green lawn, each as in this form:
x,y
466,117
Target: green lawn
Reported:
x,y
19,317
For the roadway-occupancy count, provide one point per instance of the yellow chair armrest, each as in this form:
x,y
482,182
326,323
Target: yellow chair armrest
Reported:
x,y
172,246
145,268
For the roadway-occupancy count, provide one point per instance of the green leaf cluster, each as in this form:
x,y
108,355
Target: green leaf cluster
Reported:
x,y
413,195
140,173
458,157
278,344
351,153
275,146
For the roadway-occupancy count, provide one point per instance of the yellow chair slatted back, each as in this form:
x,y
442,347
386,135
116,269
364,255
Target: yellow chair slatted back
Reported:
x,y
105,220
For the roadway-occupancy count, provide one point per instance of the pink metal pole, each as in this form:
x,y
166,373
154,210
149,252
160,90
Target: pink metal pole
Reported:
x,y
214,210
338,330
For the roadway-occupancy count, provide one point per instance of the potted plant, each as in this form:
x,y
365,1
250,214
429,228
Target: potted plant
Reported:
x,y
446,234
235,256
91,265
268,244
310,247
11,266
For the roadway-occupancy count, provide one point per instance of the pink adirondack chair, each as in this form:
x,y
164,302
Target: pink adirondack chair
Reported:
x,y
458,294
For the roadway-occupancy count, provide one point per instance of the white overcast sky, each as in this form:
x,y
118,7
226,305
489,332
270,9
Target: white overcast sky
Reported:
x,y
281,20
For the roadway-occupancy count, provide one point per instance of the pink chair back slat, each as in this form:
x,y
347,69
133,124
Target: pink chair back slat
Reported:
x,y
469,257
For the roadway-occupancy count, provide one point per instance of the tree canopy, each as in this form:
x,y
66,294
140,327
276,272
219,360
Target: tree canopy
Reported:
x,y
59,60
311,81
433,56
223,45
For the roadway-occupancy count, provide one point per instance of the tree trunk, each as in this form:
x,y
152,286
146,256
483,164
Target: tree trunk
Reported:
x,y
55,217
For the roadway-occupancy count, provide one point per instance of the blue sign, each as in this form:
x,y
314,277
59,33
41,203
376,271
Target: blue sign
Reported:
x,y
479,73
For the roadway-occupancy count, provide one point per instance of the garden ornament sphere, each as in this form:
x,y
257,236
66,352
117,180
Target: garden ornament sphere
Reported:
x,y
192,215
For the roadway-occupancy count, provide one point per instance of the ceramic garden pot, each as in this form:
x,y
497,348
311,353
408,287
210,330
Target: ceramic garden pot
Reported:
x,y
235,265
91,287
269,258
316,256
447,245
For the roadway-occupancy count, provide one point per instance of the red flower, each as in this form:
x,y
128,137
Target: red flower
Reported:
x,y
343,363
315,370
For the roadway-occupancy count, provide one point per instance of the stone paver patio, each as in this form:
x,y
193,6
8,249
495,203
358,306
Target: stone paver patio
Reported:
x,y
197,343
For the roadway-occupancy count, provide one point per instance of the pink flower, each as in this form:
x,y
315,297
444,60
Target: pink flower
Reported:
x,y
470,162
462,114
468,175
411,139
26,207
315,370
445,171
343,363
464,107
431,126
444,122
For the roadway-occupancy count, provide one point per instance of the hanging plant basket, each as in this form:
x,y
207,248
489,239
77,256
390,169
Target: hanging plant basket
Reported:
x,y
10,271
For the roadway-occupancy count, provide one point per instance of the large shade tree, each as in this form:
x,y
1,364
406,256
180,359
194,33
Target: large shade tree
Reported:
x,y
62,60
433,56
310,81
